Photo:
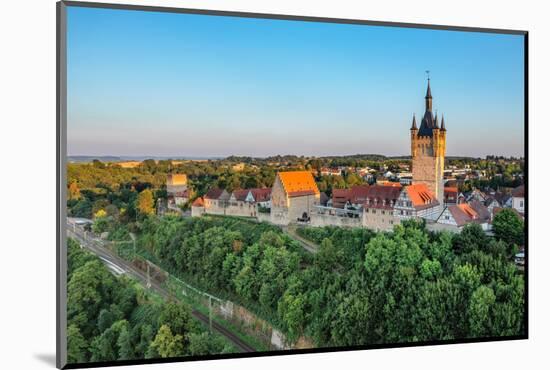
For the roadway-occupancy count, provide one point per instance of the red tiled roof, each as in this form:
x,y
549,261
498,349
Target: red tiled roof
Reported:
x,y
298,183
356,195
451,189
359,193
382,196
467,213
241,194
519,192
482,211
340,197
420,195
450,194
460,216
199,202
261,194
213,193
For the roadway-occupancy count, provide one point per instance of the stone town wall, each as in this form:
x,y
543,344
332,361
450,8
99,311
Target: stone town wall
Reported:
x,y
321,220
239,208
379,219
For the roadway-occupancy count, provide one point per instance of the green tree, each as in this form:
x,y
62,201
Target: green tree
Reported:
x,y
177,316
508,227
76,345
204,343
125,346
105,320
166,344
146,202
472,237
480,312
101,223
87,292
105,347
327,256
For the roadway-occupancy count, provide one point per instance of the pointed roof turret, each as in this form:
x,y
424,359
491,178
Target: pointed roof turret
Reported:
x,y
428,97
414,123
436,122
443,123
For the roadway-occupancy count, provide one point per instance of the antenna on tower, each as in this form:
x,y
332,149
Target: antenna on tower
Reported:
x,y
428,74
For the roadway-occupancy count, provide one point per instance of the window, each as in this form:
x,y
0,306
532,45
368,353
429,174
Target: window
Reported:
x,y
521,203
383,212
373,211
447,217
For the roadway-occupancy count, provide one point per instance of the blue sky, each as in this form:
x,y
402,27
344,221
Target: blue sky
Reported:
x,y
162,84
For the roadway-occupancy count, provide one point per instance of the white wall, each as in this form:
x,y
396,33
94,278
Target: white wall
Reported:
x,y
518,203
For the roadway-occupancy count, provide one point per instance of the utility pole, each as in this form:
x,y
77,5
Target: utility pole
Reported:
x,y
148,276
134,240
210,312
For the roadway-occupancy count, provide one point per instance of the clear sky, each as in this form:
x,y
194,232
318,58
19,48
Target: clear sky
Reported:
x,y
163,84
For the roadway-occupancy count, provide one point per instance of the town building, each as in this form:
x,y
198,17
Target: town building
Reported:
x,y
331,171
216,201
455,216
491,203
378,207
238,204
293,197
428,145
518,199
450,195
197,207
417,201
245,202
260,196
176,187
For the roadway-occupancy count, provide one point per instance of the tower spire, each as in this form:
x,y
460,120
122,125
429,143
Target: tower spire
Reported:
x,y
414,123
443,123
428,94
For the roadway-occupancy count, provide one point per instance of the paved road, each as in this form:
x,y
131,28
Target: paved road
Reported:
x,y
119,266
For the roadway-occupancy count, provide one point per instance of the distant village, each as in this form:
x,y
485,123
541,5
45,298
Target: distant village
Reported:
x,y
426,191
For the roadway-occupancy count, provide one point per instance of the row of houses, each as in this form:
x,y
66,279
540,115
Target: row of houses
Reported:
x,y
295,198
241,202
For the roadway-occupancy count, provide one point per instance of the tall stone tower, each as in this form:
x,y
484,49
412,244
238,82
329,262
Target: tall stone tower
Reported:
x,y
428,150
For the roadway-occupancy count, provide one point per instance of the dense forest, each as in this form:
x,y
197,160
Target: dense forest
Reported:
x,y
110,318
361,287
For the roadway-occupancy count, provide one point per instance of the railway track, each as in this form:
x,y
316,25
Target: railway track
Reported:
x,y
96,248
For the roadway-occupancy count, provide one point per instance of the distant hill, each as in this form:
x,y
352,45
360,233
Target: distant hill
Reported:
x,y
140,158
86,158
